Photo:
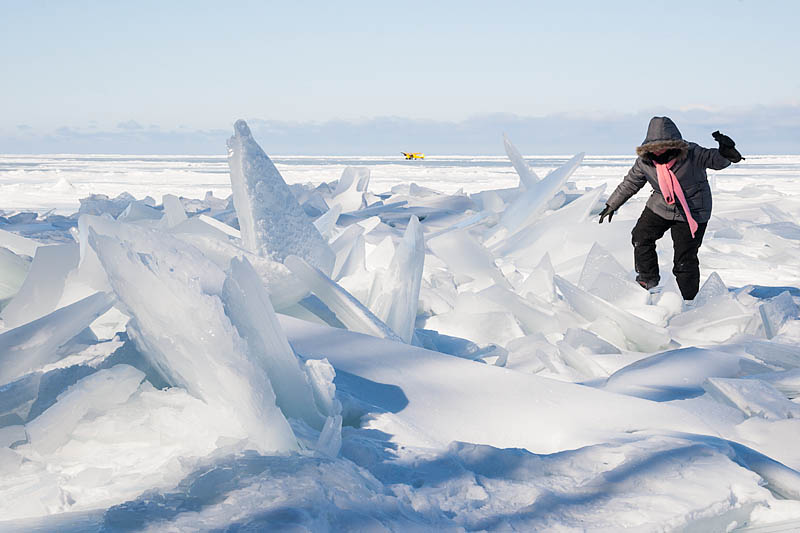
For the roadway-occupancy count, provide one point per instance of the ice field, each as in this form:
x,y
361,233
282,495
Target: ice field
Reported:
x,y
369,344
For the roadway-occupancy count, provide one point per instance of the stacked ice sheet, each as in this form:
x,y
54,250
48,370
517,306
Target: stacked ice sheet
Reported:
x,y
141,346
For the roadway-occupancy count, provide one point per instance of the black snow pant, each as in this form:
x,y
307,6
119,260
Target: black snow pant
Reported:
x,y
649,228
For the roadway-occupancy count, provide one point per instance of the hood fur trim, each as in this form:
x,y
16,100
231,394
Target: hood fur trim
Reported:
x,y
655,146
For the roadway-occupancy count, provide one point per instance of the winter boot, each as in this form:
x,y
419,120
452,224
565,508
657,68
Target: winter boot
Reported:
x,y
647,284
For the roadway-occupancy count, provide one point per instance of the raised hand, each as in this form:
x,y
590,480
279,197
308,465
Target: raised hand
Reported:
x,y
727,147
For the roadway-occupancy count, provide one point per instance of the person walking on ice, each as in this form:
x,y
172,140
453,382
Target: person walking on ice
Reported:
x,y
680,202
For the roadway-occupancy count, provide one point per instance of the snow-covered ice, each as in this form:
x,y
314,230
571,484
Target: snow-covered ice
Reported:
x,y
339,343
270,219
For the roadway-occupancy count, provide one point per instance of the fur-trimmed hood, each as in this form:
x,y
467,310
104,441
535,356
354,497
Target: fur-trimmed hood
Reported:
x,y
662,134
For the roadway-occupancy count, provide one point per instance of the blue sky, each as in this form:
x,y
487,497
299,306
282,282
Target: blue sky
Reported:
x,y
116,72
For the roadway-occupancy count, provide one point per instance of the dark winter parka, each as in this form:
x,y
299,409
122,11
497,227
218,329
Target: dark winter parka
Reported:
x,y
690,170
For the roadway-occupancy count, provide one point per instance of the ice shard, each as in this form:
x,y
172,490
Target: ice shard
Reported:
x,y
712,288
785,381
355,263
780,479
33,345
224,228
481,327
174,213
17,399
248,306
199,227
396,300
381,255
532,318
43,286
540,281
534,200
527,177
284,289
271,221
139,211
183,331
370,224
599,260
13,270
581,362
18,245
349,192
548,233
619,291
752,397
641,335
491,202
586,341
466,256
193,263
720,319
327,221
785,356
466,349
466,222
344,246
776,312
94,393
330,438
321,375
354,315
100,204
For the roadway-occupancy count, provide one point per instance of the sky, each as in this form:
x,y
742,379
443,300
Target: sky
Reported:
x,y
325,77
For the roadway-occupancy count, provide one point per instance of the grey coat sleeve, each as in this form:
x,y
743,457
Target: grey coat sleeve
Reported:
x,y
632,183
711,158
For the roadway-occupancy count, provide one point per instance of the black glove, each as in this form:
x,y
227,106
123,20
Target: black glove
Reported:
x,y
727,147
607,212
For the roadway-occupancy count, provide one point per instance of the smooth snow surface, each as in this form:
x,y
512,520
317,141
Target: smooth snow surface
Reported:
x,y
371,344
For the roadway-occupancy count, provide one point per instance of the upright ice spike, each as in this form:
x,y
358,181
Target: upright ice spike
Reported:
x,y
347,309
397,303
527,177
272,222
249,309
599,260
532,203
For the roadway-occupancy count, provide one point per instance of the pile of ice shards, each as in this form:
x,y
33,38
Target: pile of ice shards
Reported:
x,y
131,315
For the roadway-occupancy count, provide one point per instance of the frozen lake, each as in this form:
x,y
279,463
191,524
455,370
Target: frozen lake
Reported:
x,y
468,369
55,183
44,182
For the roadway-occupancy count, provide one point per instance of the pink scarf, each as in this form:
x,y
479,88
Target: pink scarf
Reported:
x,y
670,188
